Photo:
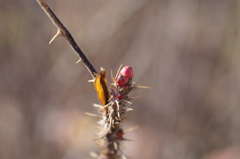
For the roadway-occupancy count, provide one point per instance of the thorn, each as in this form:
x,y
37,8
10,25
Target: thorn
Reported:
x,y
110,98
131,128
110,121
113,79
57,35
79,60
98,138
127,139
92,80
142,87
118,113
93,115
97,106
114,84
134,97
115,145
122,155
100,123
118,72
103,107
93,154
127,102
128,110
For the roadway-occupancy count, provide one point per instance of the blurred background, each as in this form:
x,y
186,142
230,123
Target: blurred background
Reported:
x,y
187,51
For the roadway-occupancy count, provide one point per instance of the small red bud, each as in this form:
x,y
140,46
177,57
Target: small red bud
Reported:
x,y
120,134
125,76
121,81
127,72
119,96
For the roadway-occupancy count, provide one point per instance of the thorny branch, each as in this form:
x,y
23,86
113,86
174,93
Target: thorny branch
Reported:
x,y
62,31
114,99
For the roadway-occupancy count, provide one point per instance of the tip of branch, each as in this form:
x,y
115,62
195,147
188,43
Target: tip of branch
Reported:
x,y
57,35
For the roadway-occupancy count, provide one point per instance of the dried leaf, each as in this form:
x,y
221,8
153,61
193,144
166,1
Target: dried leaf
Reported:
x,y
100,85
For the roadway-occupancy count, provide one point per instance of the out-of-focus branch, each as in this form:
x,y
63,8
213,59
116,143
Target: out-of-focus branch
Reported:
x,y
62,31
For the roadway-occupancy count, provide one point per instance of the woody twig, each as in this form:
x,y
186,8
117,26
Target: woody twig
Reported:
x,y
62,31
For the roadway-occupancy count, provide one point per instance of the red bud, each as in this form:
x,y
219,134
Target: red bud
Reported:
x,y
127,72
119,96
120,133
121,81
125,76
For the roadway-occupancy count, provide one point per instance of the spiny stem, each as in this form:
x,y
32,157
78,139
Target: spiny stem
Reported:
x,y
62,31
114,104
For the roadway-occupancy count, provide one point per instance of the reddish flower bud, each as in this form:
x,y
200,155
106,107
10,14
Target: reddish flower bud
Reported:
x,y
127,72
121,81
125,76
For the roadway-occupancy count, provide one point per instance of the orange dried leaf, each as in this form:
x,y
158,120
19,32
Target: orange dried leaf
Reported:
x,y
100,85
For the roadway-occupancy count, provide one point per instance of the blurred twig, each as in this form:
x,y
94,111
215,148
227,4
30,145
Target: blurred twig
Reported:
x,y
62,31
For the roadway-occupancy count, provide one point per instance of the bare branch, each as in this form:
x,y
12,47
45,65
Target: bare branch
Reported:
x,y
62,31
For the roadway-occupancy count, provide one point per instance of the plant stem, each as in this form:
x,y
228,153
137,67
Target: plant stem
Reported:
x,y
62,31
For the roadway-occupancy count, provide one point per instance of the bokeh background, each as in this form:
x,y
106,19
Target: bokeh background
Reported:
x,y
186,50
